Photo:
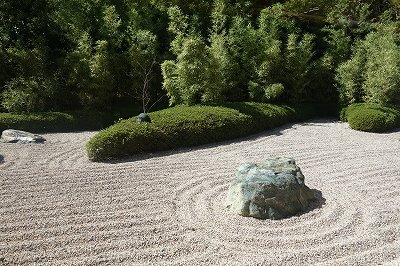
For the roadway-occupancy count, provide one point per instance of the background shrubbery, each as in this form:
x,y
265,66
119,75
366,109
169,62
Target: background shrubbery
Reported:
x,y
271,60
372,74
51,121
65,55
98,54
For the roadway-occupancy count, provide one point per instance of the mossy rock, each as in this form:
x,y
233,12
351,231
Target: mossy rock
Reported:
x,y
273,189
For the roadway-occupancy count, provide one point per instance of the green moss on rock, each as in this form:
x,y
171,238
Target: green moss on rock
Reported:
x,y
273,189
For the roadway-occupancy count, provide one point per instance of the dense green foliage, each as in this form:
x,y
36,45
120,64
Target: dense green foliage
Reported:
x,y
373,72
98,54
241,61
51,121
67,121
184,126
371,117
58,55
63,55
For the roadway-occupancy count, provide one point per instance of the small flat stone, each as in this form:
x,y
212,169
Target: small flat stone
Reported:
x,y
14,136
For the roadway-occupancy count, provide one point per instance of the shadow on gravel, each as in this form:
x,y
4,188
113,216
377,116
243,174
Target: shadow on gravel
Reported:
x,y
393,131
1,158
315,204
318,203
278,131
319,122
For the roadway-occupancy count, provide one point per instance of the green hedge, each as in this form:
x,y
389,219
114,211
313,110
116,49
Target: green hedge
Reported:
x,y
51,121
184,126
371,117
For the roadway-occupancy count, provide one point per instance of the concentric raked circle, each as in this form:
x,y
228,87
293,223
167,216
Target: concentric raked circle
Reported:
x,y
168,208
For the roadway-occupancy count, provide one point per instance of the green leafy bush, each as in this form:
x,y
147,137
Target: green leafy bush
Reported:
x,y
371,117
28,95
373,72
50,122
298,65
188,80
200,72
184,126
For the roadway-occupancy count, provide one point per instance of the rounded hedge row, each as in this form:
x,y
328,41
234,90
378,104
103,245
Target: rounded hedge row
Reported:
x,y
50,121
185,126
371,117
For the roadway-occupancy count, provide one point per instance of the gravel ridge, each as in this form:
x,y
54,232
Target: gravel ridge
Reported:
x,y
58,208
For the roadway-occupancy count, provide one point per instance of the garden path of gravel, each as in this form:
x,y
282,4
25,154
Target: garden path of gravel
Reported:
x,y
58,208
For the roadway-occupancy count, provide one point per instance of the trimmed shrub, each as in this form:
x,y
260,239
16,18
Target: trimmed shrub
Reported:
x,y
264,116
185,126
51,122
371,117
170,128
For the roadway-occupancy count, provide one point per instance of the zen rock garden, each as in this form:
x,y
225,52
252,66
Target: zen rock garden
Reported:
x,y
14,136
273,189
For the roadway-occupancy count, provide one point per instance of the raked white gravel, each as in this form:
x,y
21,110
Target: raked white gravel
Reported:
x,y
58,208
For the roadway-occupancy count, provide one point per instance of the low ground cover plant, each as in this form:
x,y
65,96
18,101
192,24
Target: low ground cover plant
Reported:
x,y
371,117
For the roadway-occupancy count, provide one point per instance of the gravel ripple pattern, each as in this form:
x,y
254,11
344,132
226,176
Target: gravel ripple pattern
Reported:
x,y
58,208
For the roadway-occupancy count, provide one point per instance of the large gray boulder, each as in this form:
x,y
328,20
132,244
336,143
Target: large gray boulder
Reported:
x,y
273,189
13,136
